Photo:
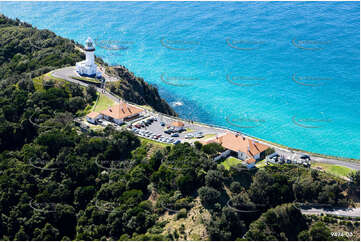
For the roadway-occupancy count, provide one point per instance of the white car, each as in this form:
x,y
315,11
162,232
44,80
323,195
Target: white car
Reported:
x,y
188,136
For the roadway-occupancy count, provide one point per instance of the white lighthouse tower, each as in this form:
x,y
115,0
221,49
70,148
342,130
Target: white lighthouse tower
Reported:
x,y
88,67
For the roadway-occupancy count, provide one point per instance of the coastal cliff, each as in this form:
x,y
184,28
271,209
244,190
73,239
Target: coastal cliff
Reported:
x,y
26,52
135,89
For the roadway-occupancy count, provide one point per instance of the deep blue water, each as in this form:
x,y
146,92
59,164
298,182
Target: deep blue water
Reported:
x,y
287,72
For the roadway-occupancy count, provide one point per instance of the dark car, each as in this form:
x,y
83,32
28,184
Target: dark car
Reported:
x,y
181,130
305,157
162,124
167,131
175,135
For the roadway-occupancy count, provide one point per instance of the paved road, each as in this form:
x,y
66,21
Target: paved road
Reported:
x,y
351,212
285,152
67,72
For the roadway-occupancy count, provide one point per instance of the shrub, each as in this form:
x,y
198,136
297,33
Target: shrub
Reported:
x,y
182,213
235,187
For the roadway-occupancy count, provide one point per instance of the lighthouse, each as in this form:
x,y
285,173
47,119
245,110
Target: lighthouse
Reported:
x,y
88,66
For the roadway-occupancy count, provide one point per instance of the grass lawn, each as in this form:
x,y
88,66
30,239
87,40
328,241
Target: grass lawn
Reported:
x,y
340,171
38,83
261,164
207,136
230,161
144,140
103,103
188,130
87,79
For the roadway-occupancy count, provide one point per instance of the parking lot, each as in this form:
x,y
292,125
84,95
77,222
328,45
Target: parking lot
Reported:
x,y
160,129
276,158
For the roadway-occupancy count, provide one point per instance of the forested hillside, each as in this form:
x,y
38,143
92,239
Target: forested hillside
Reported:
x,y
58,182
26,52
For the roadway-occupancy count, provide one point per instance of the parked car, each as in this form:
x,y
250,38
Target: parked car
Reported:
x,y
175,135
189,136
199,135
305,157
162,124
167,131
181,130
176,142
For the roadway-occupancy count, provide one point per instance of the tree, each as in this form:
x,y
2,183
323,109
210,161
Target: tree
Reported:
x,y
270,189
214,179
235,187
91,92
209,196
314,174
48,232
354,184
186,183
75,90
283,222
212,148
319,231
304,236
198,145
82,195
21,235
76,103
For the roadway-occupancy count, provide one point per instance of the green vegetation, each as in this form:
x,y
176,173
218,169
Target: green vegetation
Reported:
x,y
135,89
86,79
149,141
103,103
283,222
261,164
340,171
231,161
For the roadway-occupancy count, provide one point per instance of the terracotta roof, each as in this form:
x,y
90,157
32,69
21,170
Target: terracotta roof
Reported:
x,y
93,115
250,160
177,124
241,143
206,142
121,111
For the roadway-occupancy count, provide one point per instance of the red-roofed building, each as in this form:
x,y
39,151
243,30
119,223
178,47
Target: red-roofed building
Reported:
x,y
243,148
93,117
121,112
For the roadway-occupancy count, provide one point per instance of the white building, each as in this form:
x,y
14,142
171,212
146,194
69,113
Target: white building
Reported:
x,y
93,117
119,113
88,67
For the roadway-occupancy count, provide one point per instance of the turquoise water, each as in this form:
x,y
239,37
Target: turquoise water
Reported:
x,y
287,72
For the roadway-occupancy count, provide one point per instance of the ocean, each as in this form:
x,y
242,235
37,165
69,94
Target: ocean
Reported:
x,y
287,72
